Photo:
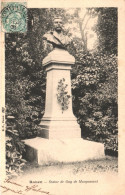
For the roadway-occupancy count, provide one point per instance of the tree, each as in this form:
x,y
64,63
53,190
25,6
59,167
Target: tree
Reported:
x,y
108,30
82,24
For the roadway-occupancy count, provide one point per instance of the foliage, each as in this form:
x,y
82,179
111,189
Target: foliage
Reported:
x,y
62,95
107,30
14,149
94,89
24,93
80,25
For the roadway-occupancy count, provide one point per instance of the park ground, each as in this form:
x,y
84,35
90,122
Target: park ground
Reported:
x,y
91,177
108,164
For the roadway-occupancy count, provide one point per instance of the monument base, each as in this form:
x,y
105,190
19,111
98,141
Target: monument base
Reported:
x,y
47,152
59,129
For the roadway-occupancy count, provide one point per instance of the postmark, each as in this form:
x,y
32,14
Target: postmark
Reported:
x,y
14,17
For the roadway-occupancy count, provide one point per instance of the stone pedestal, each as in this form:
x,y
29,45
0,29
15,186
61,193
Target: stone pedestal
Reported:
x,y
63,141
58,124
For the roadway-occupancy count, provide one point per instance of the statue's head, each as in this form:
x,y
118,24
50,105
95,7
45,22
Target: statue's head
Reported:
x,y
58,24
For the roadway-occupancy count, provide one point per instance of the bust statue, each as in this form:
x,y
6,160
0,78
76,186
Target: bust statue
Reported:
x,y
56,36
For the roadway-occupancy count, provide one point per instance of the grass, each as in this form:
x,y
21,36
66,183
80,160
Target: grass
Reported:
x,y
108,164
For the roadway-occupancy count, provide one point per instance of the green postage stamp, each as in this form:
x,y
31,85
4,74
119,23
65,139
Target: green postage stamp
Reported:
x,y
14,17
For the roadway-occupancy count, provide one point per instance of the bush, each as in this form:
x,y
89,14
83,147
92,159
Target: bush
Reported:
x,y
94,89
14,149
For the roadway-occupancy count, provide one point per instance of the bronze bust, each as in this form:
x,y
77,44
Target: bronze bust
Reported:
x,y
56,37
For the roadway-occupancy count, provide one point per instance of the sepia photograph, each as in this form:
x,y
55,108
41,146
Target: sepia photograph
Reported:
x,y
60,99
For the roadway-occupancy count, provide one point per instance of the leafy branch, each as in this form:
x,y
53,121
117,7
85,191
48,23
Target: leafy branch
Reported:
x,y
62,95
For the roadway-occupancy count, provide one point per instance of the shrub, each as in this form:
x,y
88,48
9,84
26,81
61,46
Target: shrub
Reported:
x,y
94,89
14,149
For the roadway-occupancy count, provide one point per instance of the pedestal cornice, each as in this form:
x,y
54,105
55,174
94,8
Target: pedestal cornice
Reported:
x,y
58,56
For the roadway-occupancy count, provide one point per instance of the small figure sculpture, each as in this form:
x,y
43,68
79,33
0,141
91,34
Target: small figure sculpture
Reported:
x,y
56,37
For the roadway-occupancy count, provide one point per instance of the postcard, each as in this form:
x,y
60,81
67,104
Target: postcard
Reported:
x,y
62,97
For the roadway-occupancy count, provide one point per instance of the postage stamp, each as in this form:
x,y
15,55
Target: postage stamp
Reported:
x,y
14,17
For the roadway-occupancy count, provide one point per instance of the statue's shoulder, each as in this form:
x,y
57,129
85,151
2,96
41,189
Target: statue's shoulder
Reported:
x,y
48,34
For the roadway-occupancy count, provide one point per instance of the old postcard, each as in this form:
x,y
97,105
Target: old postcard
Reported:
x,y
62,97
